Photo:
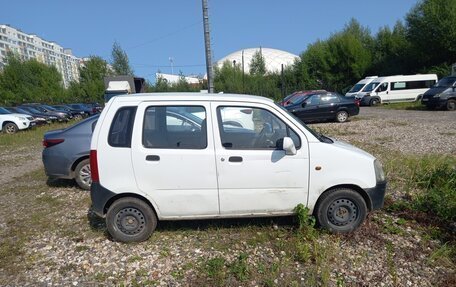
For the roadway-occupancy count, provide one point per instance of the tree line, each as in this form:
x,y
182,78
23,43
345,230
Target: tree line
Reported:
x,y
425,42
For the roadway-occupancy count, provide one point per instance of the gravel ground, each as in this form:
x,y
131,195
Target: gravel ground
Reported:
x,y
63,244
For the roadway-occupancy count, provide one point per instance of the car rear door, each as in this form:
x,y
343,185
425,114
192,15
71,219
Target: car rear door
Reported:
x,y
254,176
173,158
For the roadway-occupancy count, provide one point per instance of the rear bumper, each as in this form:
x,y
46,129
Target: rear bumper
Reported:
x,y
377,195
100,197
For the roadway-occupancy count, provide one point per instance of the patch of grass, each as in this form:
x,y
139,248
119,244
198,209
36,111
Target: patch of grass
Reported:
x,y
391,262
30,136
389,226
444,256
404,106
215,269
448,134
239,268
134,258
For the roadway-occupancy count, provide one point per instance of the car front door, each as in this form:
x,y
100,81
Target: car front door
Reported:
x,y
173,158
310,108
254,175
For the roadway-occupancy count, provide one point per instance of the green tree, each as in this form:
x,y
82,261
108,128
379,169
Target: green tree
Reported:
x,y
392,53
258,64
30,81
431,29
120,63
91,82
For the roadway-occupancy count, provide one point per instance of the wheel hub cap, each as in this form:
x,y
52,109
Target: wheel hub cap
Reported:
x,y
342,212
130,221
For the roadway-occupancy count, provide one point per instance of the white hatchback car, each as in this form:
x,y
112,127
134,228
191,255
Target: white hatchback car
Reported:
x,y
153,159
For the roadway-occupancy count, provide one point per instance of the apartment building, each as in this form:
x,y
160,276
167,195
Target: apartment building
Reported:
x,y
30,46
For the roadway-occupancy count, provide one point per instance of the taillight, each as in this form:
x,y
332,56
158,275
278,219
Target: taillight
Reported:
x,y
94,166
52,142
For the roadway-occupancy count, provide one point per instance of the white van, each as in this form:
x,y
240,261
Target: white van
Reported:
x,y
394,89
358,87
153,159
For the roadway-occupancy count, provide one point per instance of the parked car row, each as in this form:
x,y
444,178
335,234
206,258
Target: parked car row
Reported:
x,y
374,90
318,105
24,116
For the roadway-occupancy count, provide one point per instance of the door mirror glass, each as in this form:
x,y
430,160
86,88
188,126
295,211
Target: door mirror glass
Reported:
x,y
288,146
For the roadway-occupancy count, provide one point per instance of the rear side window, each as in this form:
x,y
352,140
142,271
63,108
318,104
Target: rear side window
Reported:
x,y
175,127
122,127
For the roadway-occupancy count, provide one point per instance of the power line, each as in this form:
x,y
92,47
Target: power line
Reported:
x,y
165,35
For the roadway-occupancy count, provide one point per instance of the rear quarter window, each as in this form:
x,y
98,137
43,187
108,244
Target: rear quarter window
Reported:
x,y
122,127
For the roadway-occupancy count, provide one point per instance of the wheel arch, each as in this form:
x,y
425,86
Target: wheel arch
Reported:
x,y
354,187
128,194
76,162
8,122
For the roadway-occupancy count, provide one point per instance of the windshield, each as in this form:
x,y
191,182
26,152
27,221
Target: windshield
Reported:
x,y
4,111
49,107
370,87
319,136
356,88
445,82
298,99
33,110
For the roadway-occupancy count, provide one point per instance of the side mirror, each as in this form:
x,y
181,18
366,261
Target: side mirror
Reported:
x,y
288,146
303,104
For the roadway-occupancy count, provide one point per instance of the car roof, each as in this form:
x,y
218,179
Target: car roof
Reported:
x,y
191,97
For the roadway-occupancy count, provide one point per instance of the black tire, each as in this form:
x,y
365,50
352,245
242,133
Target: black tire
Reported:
x,y
451,105
374,102
341,210
10,128
130,219
82,174
342,116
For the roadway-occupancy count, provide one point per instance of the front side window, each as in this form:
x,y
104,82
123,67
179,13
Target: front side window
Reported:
x,y
313,100
175,127
252,128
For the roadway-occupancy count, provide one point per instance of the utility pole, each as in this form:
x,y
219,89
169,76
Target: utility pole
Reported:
x,y
207,44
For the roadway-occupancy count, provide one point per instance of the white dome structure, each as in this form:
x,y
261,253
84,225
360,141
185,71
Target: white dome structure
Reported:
x,y
273,58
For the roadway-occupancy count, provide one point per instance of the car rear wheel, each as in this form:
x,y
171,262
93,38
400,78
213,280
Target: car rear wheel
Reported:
x,y
341,210
451,105
10,128
130,219
342,116
83,175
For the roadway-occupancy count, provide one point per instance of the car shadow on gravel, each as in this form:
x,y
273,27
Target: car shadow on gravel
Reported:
x,y
59,182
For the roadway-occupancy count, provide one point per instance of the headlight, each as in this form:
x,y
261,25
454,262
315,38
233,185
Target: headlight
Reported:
x,y
436,96
379,174
21,118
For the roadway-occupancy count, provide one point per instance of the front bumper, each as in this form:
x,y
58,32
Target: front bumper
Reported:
x,y
377,195
434,102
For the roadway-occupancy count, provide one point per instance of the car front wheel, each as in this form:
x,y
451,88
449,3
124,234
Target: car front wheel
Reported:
x,y
451,105
342,116
83,175
10,128
341,210
130,219
374,102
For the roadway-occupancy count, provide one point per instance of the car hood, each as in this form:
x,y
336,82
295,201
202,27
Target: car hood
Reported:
x,y
18,115
350,148
435,90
